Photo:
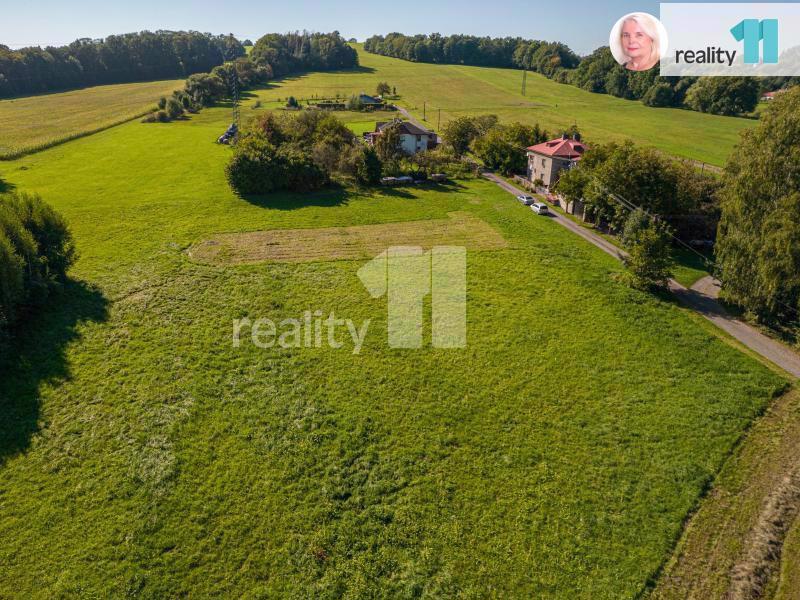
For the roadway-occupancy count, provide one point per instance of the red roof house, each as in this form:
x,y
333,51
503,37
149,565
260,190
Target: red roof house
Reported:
x,y
547,159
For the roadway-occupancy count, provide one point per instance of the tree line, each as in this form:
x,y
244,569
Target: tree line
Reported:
x,y
115,59
597,72
303,51
274,55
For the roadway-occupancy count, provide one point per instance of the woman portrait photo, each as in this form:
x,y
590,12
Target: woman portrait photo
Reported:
x,y
638,41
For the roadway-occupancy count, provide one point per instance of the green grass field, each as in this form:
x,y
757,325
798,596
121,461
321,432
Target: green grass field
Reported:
x,y
37,122
460,90
141,454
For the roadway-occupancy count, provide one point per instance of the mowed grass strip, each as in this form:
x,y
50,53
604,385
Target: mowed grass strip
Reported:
x,y
37,122
346,243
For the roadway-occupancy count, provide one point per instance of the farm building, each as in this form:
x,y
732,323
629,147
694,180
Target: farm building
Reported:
x,y
368,100
548,159
413,139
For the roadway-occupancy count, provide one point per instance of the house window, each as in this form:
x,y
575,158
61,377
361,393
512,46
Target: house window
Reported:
x,y
419,138
542,162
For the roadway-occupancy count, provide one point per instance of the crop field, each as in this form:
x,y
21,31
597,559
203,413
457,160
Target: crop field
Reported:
x,y
460,90
143,453
37,122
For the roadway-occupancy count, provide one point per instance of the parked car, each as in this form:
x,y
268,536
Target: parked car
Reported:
x,y
526,200
540,208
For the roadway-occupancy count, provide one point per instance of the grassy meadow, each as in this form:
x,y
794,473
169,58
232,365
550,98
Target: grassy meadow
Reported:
x,y
461,90
36,122
142,454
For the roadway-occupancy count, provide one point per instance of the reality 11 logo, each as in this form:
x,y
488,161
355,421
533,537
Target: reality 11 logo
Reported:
x,y
753,31
406,275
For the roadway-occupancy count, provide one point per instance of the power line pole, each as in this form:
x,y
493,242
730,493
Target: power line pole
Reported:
x,y
236,111
423,112
439,122
524,80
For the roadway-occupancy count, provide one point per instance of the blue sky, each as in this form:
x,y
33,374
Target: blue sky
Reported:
x,y
583,25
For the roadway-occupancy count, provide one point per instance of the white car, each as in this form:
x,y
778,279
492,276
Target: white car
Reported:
x,y
526,200
540,208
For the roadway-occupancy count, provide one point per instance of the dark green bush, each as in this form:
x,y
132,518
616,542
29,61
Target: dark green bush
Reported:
x,y
36,249
56,248
255,167
174,109
12,286
302,174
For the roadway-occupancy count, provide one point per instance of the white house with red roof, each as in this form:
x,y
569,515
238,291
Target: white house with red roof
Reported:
x,y
548,159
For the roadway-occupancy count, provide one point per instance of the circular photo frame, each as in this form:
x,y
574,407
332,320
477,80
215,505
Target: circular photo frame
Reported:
x,y
638,41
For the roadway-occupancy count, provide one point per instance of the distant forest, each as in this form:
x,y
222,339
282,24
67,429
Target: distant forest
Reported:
x,y
115,59
161,55
597,72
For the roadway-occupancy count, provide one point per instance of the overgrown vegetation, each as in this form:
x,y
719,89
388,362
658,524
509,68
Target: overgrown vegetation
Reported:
x,y
759,234
36,249
300,152
599,72
611,177
500,147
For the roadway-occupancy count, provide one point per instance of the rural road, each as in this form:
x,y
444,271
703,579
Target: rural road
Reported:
x,y
702,297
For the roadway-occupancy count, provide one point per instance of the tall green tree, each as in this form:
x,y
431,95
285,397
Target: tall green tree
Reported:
x,y
758,247
649,261
724,95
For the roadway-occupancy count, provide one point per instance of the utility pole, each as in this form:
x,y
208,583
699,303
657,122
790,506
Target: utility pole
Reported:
x,y
236,113
524,80
439,122
423,112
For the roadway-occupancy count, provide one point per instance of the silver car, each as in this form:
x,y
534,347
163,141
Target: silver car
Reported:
x,y
540,208
526,200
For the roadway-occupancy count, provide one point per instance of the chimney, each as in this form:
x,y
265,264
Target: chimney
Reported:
x,y
576,137
564,136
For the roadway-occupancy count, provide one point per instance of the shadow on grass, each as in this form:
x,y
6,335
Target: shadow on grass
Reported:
x,y
35,355
6,187
339,195
328,197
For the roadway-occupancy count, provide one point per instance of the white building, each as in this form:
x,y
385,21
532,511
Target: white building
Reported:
x,y
413,139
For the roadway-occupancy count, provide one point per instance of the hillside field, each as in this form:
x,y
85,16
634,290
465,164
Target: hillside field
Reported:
x,y
462,90
143,454
37,122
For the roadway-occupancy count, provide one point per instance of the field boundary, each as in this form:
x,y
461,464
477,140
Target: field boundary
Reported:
x,y
15,154
730,545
